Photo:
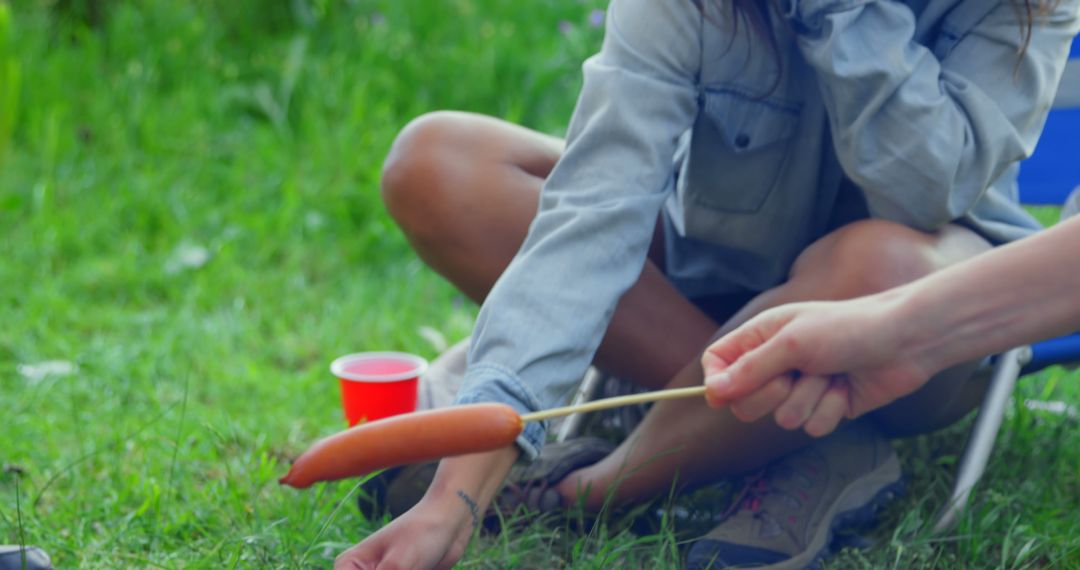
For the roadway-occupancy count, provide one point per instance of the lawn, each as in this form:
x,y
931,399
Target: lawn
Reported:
x,y
192,231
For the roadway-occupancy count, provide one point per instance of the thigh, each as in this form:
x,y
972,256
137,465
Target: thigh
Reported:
x,y
868,256
464,188
473,138
947,397
450,175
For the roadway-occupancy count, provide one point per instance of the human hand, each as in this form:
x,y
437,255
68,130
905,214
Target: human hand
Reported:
x,y
433,534
813,364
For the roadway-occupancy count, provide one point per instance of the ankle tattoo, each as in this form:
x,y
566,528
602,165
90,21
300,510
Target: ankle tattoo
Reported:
x,y
474,509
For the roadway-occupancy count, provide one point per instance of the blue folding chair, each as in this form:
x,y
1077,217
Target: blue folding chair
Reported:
x,y
1046,178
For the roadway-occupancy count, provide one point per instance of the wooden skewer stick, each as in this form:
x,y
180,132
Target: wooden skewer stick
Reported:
x,y
616,402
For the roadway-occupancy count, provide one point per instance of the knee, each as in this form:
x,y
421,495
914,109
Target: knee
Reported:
x,y
870,256
418,172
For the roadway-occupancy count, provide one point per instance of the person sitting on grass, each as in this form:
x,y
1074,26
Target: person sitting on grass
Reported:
x,y
724,157
859,355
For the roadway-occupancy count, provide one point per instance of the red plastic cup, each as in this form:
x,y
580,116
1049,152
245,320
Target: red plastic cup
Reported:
x,y
377,384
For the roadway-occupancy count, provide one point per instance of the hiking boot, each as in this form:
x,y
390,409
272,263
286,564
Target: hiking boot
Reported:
x,y
408,486
24,558
789,513
615,424
530,487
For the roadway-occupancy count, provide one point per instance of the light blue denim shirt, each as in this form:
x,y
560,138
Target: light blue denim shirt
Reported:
x,y
925,105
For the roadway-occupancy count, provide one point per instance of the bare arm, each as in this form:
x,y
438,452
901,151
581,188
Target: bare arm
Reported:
x,y
885,346
1017,294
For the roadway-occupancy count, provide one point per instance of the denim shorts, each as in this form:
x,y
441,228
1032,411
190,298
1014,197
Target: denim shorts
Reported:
x,y
714,275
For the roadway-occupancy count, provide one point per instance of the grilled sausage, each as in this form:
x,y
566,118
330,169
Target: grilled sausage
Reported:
x,y
404,439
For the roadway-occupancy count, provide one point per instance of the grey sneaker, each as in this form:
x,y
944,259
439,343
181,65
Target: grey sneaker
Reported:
x,y
529,486
1071,206
787,515
24,558
395,491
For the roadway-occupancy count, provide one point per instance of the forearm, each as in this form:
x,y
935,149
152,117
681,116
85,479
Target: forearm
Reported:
x,y
1017,294
923,130
545,317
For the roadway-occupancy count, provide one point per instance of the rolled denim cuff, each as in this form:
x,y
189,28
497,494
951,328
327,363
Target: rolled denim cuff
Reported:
x,y
808,15
493,383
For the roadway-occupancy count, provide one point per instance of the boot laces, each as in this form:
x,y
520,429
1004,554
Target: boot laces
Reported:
x,y
779,487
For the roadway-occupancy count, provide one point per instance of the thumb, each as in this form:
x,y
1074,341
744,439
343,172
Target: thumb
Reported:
x,y
712,363
712,366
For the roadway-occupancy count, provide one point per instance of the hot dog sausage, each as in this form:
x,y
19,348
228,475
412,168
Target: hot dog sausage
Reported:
x,y
404,439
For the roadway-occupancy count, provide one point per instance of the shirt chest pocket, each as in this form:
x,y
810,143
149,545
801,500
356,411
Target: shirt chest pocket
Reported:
x,y
738,149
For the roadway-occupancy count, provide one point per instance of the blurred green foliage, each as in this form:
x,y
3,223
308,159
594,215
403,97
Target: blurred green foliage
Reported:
x,y
191,220
9,80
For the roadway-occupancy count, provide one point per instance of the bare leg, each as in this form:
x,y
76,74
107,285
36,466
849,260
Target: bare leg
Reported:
x,y
464,189
695,443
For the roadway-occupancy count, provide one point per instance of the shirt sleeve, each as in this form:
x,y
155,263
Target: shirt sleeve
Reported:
x,y
542,322
924,138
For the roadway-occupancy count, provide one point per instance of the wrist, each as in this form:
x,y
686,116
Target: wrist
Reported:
x,y
457,510
922,340
473,479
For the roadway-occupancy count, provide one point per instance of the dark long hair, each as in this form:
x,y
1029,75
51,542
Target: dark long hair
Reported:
x,y
1028,11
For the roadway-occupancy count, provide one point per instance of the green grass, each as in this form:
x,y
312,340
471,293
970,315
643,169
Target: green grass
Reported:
x,y
191,217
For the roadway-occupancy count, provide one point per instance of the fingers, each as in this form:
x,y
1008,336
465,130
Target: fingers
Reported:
x,y
373,553
356,558
759,403
798,407
712,363
713,366
817,404
399,558
830,409
730,347
453,555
